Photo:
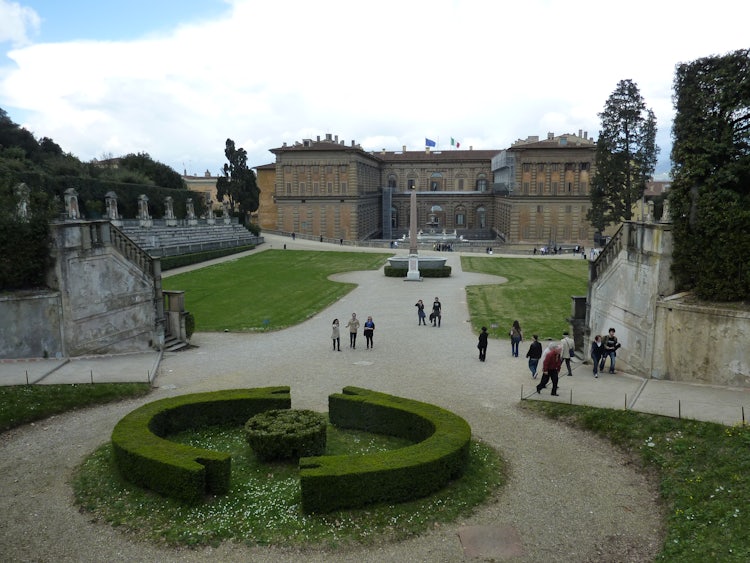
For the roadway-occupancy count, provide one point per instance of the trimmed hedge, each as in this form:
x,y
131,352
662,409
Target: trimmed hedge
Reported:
x,y
286,434
145,457
347,481
442,272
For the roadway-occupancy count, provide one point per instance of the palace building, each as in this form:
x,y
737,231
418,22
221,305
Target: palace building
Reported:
x,y
534,192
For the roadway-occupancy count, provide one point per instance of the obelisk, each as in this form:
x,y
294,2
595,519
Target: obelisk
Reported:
x,y
413,273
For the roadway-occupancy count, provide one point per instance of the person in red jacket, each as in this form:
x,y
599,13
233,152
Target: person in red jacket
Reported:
x,y
551,369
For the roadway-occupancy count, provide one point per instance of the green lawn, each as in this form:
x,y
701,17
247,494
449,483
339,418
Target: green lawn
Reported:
x,y
538,294
702,470
270,290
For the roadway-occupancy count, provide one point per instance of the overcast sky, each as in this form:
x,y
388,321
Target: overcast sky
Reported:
x,y
176,78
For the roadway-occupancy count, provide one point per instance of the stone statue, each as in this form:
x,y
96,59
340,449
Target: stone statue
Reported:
x,y
168,207
22,192
110,199
71,204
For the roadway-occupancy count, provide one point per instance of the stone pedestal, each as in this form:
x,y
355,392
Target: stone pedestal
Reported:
x,y
413,273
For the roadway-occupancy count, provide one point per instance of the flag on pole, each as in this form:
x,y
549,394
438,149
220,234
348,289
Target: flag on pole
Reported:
x,y
429,142
455,143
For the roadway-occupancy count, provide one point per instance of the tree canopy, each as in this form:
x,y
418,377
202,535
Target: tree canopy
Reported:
x,y
710,192
238,184
626,154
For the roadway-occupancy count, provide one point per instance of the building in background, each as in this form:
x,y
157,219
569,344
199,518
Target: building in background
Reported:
x,y
534,192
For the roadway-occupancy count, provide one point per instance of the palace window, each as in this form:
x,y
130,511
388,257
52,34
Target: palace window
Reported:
x,y
482,217
460,217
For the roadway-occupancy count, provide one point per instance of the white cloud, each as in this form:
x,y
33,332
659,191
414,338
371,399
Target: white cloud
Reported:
x,y
385,75
17,23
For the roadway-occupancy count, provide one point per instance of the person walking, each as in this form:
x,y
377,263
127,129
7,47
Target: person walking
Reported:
x,y
335,335
368,331
568,349
540,365
482,344
420,313
534,353
437,312
516,335
353,326
610,351
551,369
596,353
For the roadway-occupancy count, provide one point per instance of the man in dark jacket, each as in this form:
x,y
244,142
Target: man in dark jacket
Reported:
x,y
534,353
610,351
482,345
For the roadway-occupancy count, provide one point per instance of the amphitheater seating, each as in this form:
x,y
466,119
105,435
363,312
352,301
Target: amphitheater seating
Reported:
x,y
163,240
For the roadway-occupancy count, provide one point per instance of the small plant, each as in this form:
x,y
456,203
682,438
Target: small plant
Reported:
x,y
189,325
282,434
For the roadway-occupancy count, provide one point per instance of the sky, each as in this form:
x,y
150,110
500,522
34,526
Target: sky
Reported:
x,y
176,78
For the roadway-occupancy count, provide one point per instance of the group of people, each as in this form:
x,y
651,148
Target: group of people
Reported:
x,y
548,361
436,316
516,336
353,326
603,348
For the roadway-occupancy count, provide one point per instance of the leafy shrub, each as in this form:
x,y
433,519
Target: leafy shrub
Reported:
x,y
189,324
286,434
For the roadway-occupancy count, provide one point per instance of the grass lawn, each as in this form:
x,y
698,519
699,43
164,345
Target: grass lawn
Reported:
x,y
702,470
21,404
270,290
537,294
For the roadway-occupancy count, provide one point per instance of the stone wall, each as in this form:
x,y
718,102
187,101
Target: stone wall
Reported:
x,y
109,293
30,325
663,335
701,344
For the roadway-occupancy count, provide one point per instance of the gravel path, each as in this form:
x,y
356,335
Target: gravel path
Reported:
x,y
570,496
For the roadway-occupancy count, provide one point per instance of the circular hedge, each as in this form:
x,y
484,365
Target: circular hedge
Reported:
x,y
284,434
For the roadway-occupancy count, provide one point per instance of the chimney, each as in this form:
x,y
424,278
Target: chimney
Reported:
x,y
337,138
550,136
403,148
353,143
284,144
328,136
318,138
427,150
580,132
585,134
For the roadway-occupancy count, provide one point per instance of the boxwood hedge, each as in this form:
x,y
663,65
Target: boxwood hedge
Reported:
x,y
145,456
440,454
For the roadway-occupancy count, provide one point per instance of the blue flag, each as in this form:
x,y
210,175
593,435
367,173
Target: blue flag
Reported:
x,y
429,142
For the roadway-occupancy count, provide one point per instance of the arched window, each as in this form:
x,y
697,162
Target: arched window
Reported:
x,y
392,181
481,217
436,217
481,183
460,216
436,182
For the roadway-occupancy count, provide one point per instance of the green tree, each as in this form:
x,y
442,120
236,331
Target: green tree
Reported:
x,y
625,156
710,192
238,183
160,174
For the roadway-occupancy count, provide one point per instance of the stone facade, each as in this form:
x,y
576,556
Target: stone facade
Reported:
x,y
663,335
327,188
